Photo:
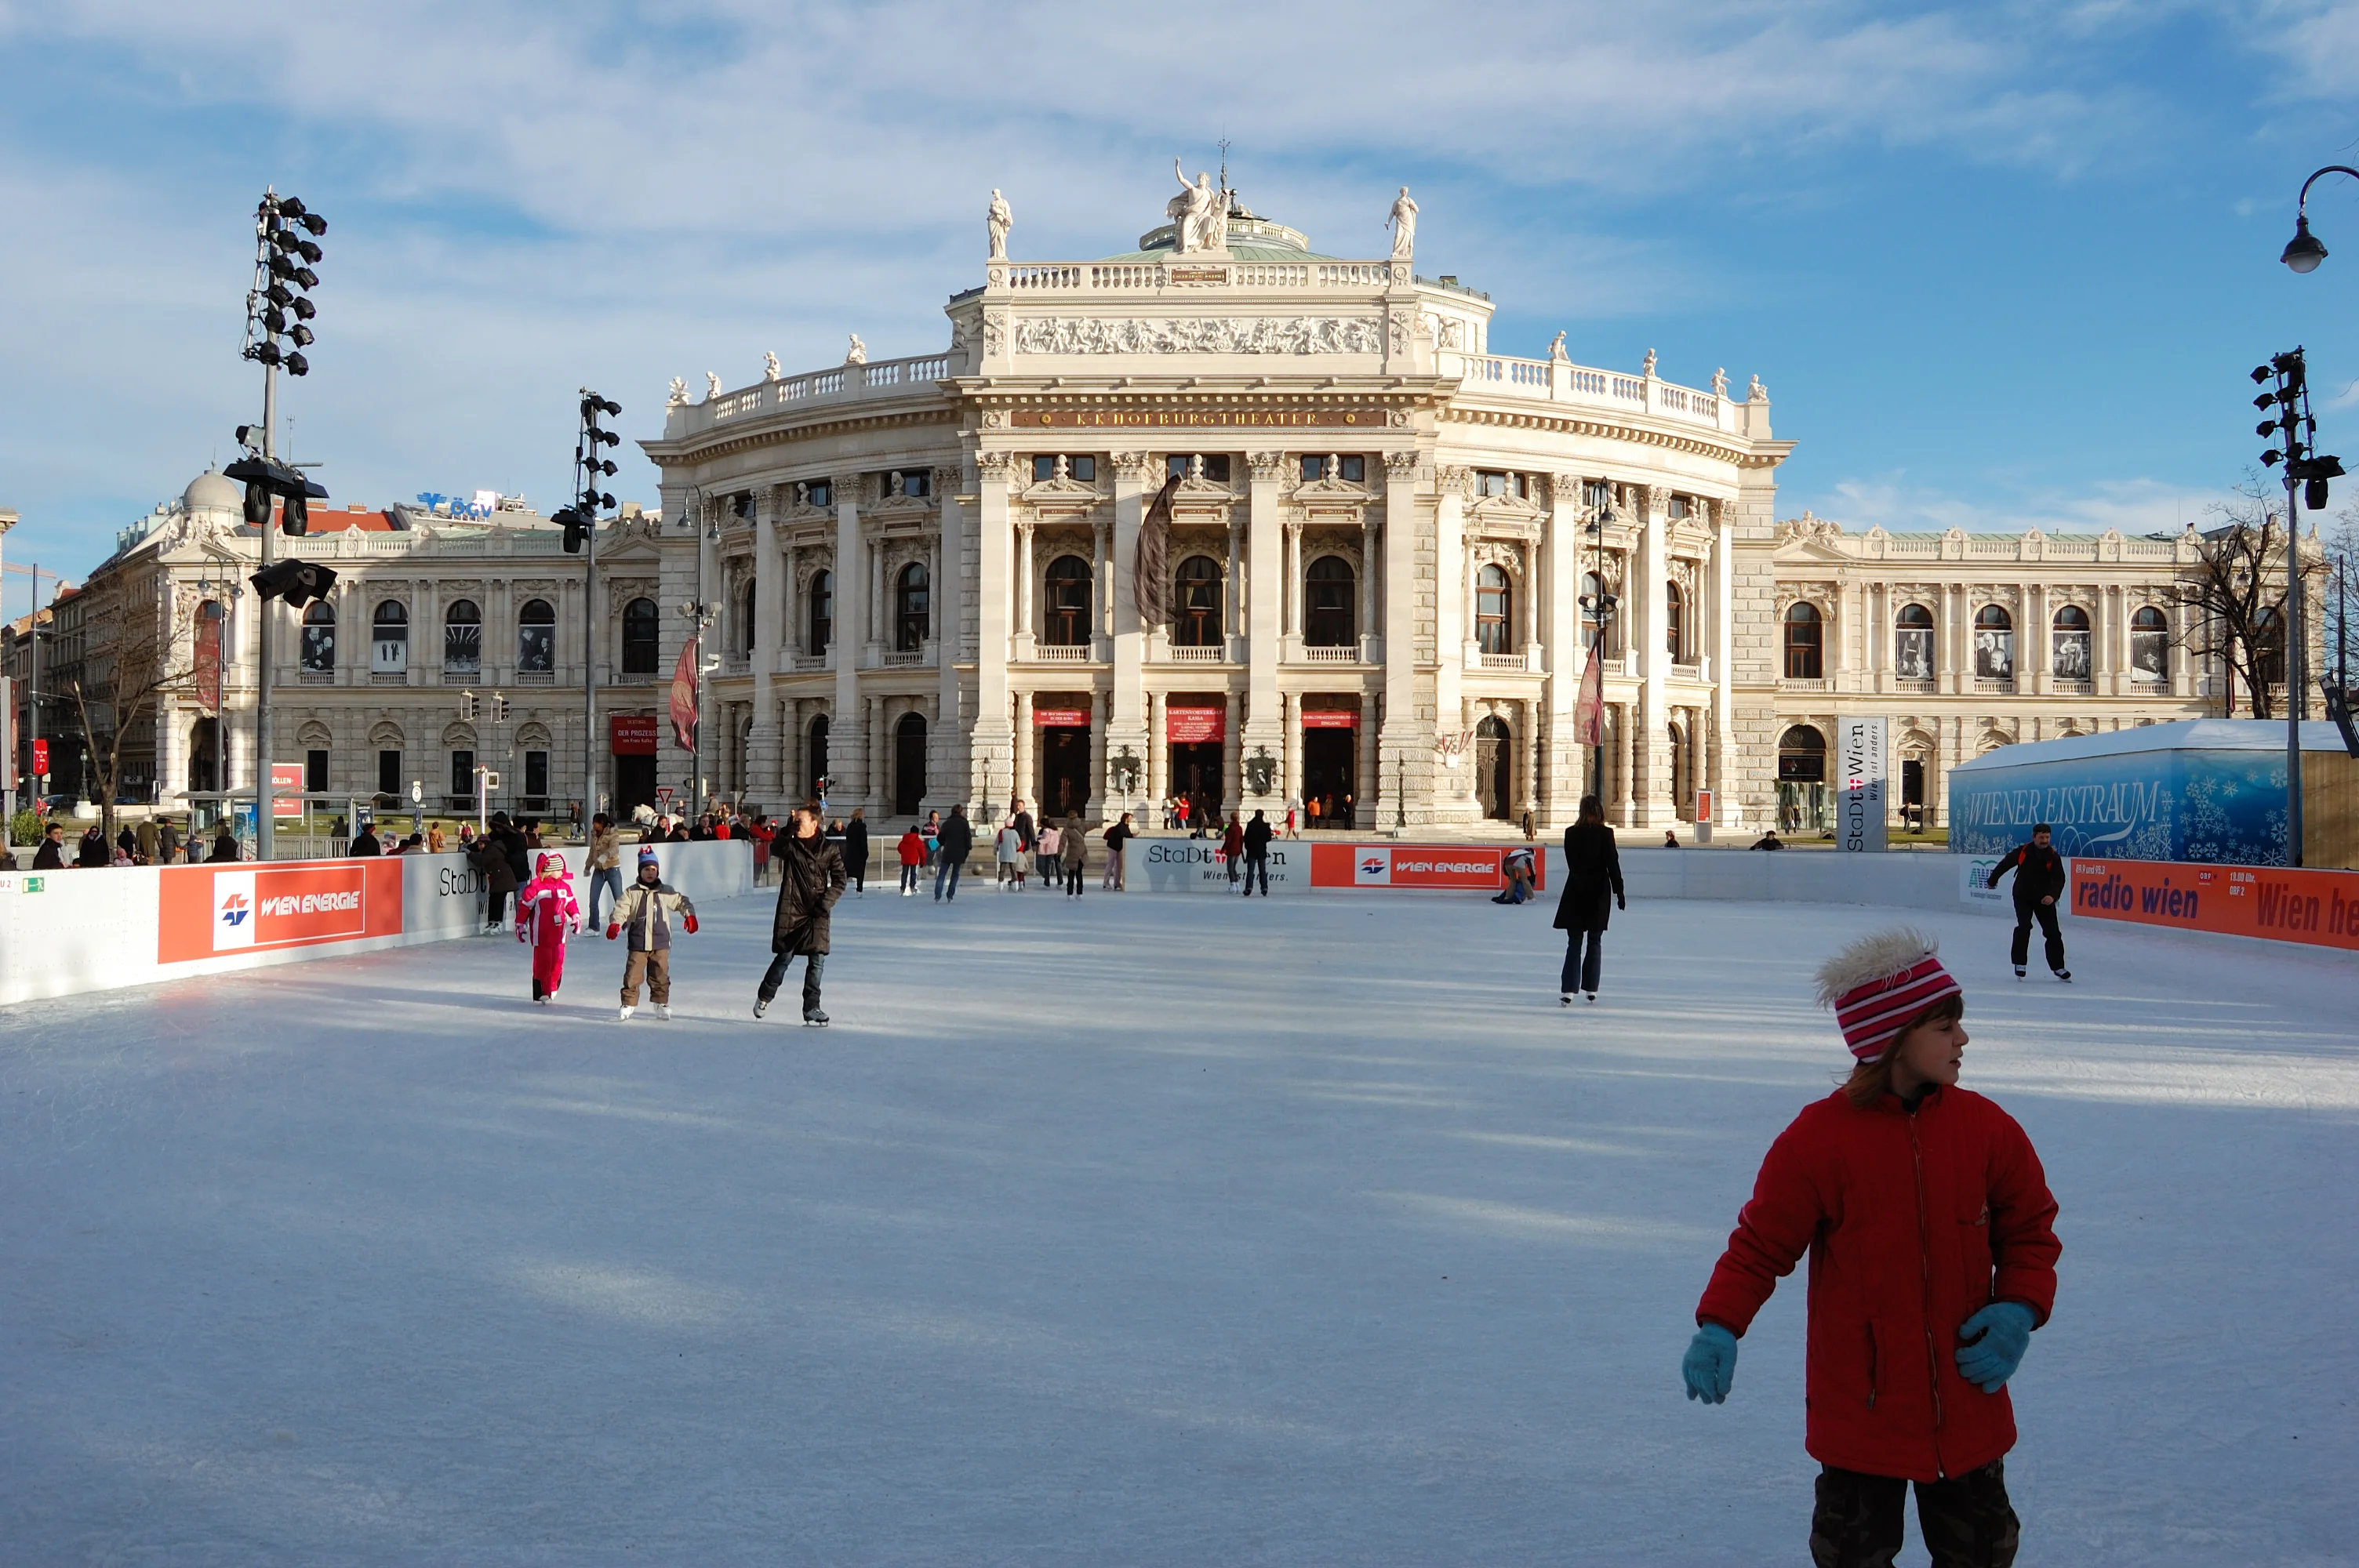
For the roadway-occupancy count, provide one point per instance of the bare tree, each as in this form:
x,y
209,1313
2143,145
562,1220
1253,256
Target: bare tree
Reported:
x,y
2339,601
124,666
2237,589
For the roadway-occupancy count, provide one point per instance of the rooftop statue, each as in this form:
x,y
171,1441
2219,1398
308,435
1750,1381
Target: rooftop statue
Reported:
x,y
769,367
678,394
1199,214
1403,223
712,385
857,354
1556,348
998,220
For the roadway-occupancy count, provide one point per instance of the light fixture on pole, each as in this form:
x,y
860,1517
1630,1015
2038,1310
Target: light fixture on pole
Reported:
x,y
1600,607
2308,473
579,522
2305,250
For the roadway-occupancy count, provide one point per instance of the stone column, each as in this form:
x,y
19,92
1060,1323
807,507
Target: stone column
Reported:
x,y
1453,788
1158,761
1096,807
2033,641
1265,725
1232,595
1650,757
847,736
1026,774
945,742
1367,787
1289,772
1101,592
762,760
1526,772
1560,650
991,741
1405,742
1027,621
1369,563
1131,725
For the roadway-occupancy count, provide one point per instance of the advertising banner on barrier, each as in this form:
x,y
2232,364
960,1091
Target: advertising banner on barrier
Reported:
x,y
204,910
1471,867
1197,865
2321,908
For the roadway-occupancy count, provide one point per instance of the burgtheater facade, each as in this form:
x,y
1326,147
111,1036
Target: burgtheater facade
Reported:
x,y
1385,549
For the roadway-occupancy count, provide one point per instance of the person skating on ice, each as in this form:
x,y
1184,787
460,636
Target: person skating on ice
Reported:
x,y
912,851
546,914
1931,1236
810,879
1592,873
2038,882
645,911
1256,841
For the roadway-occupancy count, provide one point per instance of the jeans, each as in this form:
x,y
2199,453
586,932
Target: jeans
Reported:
x,y
1966,1520
1257,866
909,879
610,882
1052,872
775,976
1073,880
946,877
2050,931
1581,965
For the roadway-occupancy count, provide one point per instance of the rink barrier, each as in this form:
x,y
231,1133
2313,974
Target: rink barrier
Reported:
x,y
66,933
2274,904
1302,865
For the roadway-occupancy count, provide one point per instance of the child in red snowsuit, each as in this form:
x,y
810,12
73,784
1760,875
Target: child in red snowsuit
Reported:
x,y
1932,1242
913,860
547,913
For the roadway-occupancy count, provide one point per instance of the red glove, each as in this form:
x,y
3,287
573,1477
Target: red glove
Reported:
x,y
689,921
614,931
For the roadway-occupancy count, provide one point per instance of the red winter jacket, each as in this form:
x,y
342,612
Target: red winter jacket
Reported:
x,y
913,848
1913,1225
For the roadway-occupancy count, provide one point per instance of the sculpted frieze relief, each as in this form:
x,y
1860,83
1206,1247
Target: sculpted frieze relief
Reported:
x,y
1201,335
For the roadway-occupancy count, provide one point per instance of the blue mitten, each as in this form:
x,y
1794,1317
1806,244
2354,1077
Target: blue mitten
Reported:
x,y
1991,1344
1709,1365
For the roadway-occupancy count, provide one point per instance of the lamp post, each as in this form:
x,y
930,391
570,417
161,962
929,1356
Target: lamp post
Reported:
x,y
1601,606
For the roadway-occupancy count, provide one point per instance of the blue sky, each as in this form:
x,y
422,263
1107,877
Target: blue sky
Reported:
x,y
1998,264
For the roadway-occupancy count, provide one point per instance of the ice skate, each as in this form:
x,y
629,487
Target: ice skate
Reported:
x,y
1592,999
625,1015
1565,1000
663,1011
2019,971
814,1019
761,1005
2064,975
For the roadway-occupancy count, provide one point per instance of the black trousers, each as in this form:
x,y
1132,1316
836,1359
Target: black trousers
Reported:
x,y
1072,879
1257,866
1580,967
2052,933
1966,1520
776,976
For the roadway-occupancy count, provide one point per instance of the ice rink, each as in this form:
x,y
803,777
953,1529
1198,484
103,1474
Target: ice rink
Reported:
x,y
1141,1230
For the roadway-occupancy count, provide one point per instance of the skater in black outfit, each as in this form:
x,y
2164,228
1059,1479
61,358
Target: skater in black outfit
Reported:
x,y
1593,870
2039,883
1256,839
810,879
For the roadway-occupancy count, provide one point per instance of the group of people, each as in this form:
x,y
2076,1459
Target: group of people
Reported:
x,y
147,842
1057,853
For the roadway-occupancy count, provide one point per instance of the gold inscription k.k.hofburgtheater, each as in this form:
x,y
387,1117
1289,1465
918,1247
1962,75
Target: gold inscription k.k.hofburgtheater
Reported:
x,y
1200,418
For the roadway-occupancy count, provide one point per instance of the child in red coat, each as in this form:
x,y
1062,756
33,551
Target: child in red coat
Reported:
x,y
1932,1242
913,859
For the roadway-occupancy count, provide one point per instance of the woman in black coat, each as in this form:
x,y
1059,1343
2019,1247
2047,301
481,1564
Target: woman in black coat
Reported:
x,y
810,879
1593,870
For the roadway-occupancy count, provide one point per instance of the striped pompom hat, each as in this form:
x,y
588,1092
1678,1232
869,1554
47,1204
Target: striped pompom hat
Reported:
x,y
1880,984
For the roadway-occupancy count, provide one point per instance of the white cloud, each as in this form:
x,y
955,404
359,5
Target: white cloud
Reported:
x,y
2135,506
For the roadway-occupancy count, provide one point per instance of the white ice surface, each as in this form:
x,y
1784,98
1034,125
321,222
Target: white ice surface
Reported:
x,y
1141,1230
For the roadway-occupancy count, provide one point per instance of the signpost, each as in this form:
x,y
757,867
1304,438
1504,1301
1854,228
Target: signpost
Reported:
x,y
1703,816
1862,748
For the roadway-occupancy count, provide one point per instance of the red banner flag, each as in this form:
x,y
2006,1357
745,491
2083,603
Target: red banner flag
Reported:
x,y
208,659
1589,713
684,706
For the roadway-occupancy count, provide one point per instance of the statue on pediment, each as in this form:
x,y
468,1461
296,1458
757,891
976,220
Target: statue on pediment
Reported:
x,y
999,221
1403,223
1199,214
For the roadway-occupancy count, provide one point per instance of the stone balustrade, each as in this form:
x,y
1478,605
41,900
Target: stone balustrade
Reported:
x,y
847,382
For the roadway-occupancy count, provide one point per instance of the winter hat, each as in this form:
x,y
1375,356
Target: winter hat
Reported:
x,y
647,855
1880,984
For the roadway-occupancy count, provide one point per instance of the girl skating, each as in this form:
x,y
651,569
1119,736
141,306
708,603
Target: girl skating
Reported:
x,y
1932,1243
547,913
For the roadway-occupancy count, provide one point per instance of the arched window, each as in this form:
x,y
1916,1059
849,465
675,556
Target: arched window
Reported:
x,y
463,638
2068,647
535,638
1066,620
2150,646
1912,643
1196,608
1802,756
1804,643
641,628
1993,643
318,637
389,639
1493,632
821,625
1675,623
1329,603
2269,649
912,608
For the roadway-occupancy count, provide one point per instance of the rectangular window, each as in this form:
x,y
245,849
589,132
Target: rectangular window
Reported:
x,y
910,484
1313,468
1912,653
1085,468
388,772
315,772
1044,467
463,774
1490,483
535,774
822,493
1354,469
2071,653
1681,507
1216,466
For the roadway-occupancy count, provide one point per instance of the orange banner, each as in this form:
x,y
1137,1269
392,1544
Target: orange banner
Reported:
x,y
2321,908
208,909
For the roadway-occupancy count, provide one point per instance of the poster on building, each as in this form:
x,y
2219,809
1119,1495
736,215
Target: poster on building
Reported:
x,y
1194,726
286,790
632,734
1863,750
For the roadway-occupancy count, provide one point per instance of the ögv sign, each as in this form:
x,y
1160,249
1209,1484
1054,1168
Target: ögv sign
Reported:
x,y
1201,418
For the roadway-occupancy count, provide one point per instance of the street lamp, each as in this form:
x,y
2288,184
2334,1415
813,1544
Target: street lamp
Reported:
x,y
2305,250
1601,606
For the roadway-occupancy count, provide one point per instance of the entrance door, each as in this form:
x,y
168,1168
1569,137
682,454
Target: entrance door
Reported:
x,y
1493,755
908,763
1196,774
1065,770
1329,758
634,784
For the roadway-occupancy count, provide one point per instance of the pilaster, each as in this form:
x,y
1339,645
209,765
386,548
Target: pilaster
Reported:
x,y
991,740
847,738
1453,788
762,759
1130,727
1405,739
1265,726
1650,755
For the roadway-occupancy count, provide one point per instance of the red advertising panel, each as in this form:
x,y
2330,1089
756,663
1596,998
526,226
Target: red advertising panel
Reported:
x,y
1061,718
2321,908
287,776
632,734
207,666
41,759
1191,726
208,909
1330,718
1461,866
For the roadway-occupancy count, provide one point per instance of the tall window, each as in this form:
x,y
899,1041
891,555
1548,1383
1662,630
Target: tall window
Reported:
x,y
388,773
823,612
1675,623
1804,643
1493,632
1597,494
2070,647
1912,643
319,638
640,628
912,608
462,774
389,639
2268,648
815,756
535,774
1196,612
821,493
2150,646
315,770
1329,605
1067,622
1993,643
463,638
535,637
